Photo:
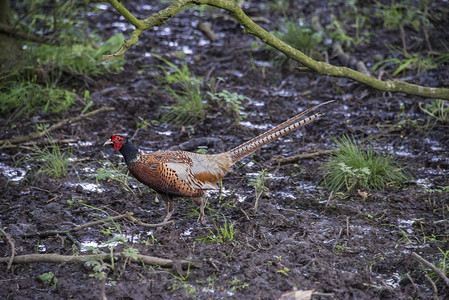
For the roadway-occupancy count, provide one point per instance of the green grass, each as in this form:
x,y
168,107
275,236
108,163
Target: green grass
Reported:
x,y
403,12
34,88
300,37
443,263
336,31
48,279
259,186
353,168
223,233
438,109
186,90
27,98
402,62
77,58
108,171
52,162
237,284
231,103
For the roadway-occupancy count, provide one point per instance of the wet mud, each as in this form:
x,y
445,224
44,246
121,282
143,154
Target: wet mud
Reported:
x,y
302,236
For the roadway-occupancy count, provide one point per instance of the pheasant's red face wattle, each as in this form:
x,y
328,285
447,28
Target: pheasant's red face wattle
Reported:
x,y
118,141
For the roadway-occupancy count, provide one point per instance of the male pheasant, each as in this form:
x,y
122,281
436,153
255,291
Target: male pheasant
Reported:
x,y
187,174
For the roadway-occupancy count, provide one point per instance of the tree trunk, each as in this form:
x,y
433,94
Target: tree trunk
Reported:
x,y
10,48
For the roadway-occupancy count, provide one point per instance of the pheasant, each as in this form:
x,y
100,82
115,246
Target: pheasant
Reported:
x,y
188,174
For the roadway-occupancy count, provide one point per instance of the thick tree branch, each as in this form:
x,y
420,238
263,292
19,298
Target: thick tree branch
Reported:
x,y
311,65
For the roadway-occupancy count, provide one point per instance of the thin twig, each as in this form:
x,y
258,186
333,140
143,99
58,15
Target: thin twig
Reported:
x,y
347,226
329,200
127,215
295,158
413,282
139,222
77,228
103,288
432,266
9,143
11,244
434,287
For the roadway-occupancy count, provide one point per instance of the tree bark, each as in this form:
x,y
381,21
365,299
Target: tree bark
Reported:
x,y
10,48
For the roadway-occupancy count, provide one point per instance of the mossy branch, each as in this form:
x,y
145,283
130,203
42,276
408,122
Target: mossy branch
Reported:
x,y
315,67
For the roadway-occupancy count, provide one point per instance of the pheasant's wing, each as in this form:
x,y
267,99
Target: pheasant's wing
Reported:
x,y
198,171
186,173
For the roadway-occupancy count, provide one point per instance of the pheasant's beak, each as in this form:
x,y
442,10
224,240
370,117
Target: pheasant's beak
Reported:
x,y
108,142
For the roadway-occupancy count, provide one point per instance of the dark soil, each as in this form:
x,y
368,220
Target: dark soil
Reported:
x,y
302,237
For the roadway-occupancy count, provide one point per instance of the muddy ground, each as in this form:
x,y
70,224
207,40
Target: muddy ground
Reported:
x,y
302,237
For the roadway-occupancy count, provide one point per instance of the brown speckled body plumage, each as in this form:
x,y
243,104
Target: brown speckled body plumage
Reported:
x,y
187,174
180,173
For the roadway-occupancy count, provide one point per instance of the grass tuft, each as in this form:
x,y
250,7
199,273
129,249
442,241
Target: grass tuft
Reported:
x,y
223,233
186,90
231,103
438,109
53,162
300,37
27,98
353,168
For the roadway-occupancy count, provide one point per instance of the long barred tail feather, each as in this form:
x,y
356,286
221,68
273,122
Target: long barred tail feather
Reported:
x,y
273,134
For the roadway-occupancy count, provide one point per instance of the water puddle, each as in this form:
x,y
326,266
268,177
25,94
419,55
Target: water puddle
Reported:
x,y
255,126
115,240
167,133
87,186
188,231
13,174
227,193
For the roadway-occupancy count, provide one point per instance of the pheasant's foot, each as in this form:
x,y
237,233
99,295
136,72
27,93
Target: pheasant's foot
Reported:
x,y
201,216
168,217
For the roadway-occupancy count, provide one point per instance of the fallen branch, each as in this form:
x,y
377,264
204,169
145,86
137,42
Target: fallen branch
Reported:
x,y
77,228
313,66
295,158
139,222
11,244
18,33
127,215
59,259
35,135
430,265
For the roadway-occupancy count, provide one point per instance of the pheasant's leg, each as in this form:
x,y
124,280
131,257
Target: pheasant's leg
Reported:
x,y
169,204
201,201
